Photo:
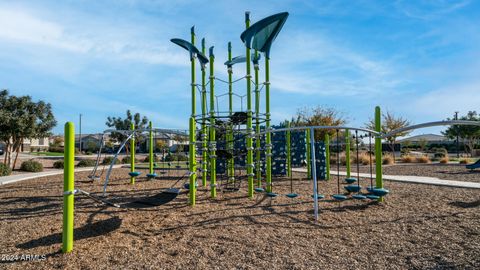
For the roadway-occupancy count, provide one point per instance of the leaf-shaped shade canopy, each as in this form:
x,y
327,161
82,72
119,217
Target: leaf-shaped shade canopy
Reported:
x,y
242,59
261,34
191,49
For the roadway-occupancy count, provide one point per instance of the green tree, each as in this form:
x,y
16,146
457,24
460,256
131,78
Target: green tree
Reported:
x,y
21,119
318,116
124,124
391,122
57,142
160,145
470,135
423,144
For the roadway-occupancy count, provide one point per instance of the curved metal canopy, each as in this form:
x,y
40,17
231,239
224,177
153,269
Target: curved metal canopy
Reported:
x,y
242,59
261,34
191,49
432,124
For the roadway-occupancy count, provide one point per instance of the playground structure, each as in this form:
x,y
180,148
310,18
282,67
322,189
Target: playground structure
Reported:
x,y
149,136
258,37
233,126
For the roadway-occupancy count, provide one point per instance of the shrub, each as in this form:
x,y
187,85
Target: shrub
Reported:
x,y
363,158
56,149
155,159
423,159
408,159
126,160
108,161
86,163
176,157
464,161
31,166
405,151
58,164
388,159
5,170
440,153
444,160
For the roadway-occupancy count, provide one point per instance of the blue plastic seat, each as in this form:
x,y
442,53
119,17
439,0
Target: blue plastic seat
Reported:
x,y
352,188
272,195
319,196
359,197
258,189
339,197
380,191
350,180
151,175
292,195
369,188
134,174
373,197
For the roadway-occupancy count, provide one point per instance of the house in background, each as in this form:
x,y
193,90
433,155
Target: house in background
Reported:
x,y
174,140
40,144
89,141
426,139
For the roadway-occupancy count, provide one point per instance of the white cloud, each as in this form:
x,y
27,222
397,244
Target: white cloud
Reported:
x,y
328,68
440,104
427,10
23,27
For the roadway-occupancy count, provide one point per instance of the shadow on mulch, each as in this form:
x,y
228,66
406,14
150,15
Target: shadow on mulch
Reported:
x,y
88,231
461,204
466,172
152,201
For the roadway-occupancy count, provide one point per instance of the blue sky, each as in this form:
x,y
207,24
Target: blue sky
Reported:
x,y
418,59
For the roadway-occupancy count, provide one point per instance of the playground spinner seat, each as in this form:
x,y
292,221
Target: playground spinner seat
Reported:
x,y
134,174
352,188
339,197
350,180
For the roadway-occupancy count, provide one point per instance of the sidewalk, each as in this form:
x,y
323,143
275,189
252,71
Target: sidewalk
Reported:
x,y
27,176
413,179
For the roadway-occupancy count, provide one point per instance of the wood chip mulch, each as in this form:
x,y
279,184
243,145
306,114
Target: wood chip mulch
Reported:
x,y
417,227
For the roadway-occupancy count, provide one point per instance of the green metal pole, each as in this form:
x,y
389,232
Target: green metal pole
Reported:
x,y
150,153
213,145
204,119
327,155
309,161
289,152
191,147
347,152
192,164
250,165
378,151
268,141
132,153
68,188
192,62
257,125
231,161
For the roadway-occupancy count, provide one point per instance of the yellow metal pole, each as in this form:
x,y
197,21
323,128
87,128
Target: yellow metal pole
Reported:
x,y
68,188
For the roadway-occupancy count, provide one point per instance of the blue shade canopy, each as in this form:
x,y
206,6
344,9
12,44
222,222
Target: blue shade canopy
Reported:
x,y
261,34
242,59
191,49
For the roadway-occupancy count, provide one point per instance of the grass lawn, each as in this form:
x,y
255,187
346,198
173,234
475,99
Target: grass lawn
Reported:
x,y
48,154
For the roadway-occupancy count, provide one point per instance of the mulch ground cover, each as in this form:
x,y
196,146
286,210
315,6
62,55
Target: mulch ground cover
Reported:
x,y
417,227
456,172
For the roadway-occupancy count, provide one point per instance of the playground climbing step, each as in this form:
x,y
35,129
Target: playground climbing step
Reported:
x,y
27,176
414,179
